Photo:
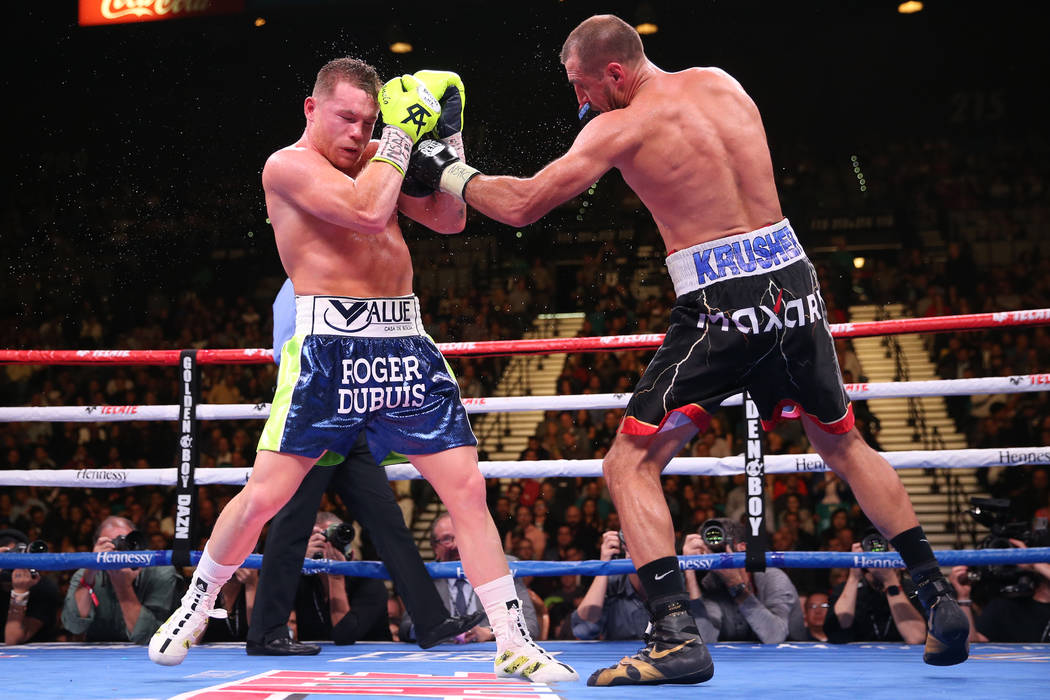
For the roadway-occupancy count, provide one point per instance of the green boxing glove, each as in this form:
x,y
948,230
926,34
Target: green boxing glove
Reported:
x,y
409,112
448,88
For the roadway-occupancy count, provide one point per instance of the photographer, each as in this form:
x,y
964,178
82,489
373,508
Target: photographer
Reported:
x,y
874,605
1017,608
614,606
734,604
29,602
119,605
332,606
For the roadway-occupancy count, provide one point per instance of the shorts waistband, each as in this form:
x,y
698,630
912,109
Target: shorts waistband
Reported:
x,y
376,317
742,255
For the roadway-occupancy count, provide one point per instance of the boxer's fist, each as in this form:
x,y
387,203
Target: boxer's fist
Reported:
x,y
434,164
407,104
447,88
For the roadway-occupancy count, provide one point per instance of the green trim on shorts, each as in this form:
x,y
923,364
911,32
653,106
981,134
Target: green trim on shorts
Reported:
x,y
287,378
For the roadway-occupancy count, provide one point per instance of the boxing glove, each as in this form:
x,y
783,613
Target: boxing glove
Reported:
x,y
436,165
409,112
447,87
450,92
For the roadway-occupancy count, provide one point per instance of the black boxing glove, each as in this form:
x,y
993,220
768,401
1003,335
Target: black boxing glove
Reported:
x,y
435,165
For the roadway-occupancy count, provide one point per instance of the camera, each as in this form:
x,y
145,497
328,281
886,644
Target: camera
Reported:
x,y
340,536
133,541
714,534
34,547
873,541
1006,580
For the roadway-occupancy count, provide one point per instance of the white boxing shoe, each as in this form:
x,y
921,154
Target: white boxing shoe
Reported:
x,y
172,640
518,656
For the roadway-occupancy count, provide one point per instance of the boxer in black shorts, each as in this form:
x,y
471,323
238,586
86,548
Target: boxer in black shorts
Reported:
x,y
748,315
692,146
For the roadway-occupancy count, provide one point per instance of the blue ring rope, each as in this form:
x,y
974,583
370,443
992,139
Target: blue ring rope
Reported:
x,y
594,567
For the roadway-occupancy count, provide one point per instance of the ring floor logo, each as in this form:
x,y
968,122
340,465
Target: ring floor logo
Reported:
x,y
317,684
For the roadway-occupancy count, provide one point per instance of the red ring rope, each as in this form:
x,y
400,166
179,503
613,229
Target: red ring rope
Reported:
x,y
537,346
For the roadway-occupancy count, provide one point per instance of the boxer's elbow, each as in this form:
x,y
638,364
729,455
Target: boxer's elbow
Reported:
x,y
370,221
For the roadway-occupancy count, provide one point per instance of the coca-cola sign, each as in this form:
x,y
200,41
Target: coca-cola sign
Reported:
x,y
94,12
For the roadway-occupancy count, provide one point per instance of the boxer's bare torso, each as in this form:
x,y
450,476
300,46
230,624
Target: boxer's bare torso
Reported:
x,y
696,156
334,211
322,257
690,144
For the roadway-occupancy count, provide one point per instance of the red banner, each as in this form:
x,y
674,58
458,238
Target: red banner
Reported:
x,y
95,12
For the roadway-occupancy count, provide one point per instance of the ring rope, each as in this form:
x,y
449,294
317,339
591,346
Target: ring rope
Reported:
x,y
700,562
531,346
706,466
874,390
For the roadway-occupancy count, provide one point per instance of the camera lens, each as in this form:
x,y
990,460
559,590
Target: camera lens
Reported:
x,y
714,535
874,542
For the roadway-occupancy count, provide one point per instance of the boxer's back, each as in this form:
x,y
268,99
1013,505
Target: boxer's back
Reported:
x,y
702,165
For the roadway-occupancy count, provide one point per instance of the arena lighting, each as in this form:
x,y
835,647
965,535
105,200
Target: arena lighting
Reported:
x,y
910,7
260,21
858,262
645,19
397,40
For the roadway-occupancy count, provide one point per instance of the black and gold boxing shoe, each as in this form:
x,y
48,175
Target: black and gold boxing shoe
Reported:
x,y
947,627
674,653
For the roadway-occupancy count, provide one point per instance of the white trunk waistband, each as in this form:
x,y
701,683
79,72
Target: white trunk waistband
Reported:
x,y
742,255
378,317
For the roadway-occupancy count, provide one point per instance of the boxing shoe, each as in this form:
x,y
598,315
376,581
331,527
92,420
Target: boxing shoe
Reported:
x,y
448,628
947,627
674,653
518,655
171,642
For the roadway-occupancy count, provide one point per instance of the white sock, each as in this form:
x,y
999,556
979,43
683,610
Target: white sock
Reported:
x,y
212,572
494,597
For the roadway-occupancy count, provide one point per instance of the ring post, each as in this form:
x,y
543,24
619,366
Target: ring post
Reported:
x,y
755,469
186,457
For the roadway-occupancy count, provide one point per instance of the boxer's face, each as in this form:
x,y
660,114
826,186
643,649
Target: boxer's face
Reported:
x,y
589,88
340,123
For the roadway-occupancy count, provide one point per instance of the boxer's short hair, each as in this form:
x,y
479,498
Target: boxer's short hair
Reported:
x,y
600,40
351,70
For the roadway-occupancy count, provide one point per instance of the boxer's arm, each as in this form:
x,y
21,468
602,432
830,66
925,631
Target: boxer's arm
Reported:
x,y
309,181
439,212
521,201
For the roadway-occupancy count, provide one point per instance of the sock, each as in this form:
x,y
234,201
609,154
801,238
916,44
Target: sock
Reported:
x,y
212,572
663,583
494,597
917,555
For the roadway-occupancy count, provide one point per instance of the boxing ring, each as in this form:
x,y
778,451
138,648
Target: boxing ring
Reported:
x,y
378,670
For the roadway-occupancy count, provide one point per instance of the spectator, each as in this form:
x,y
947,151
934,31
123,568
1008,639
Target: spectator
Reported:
x,y
815,612
614,606
736,605
332,606
118,605
874,605
1008,618
29,601
458,595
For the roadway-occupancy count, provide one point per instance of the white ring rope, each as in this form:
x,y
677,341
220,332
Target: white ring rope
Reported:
x,y
876,390
724,466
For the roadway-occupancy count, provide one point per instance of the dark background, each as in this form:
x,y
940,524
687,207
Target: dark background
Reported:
x,y
135,150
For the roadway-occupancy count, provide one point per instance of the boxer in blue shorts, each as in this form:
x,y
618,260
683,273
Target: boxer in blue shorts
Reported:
x,y
367,364
360,359
692,146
